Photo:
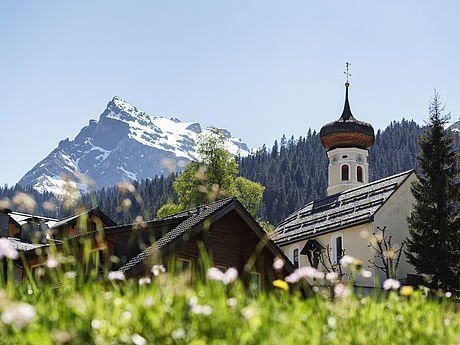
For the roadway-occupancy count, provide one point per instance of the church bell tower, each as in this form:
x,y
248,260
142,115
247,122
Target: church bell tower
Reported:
x,y
347,141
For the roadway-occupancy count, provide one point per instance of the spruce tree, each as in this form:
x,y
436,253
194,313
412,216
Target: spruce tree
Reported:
x,y
434,223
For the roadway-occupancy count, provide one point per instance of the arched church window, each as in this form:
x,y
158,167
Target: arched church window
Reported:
x,y
345,172
359,174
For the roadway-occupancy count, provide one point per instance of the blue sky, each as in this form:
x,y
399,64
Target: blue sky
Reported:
x,y
258,68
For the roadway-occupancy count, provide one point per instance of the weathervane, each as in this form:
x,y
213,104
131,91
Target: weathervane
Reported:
x,y
347,73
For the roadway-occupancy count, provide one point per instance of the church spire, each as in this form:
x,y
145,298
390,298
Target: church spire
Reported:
x,y
346,114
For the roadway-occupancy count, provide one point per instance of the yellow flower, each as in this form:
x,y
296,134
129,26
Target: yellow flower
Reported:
x,y
281,284
407,290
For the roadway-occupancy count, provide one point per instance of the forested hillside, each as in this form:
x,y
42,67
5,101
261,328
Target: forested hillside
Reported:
x,y
294,172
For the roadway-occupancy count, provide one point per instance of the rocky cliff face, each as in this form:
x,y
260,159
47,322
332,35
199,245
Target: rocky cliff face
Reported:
x,y
125,144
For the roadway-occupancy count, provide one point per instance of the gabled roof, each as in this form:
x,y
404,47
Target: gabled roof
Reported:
x,y
93,211
24,246
194,221
23,218
342,210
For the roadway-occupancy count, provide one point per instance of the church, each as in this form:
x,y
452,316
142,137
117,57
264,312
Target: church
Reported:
x,y
344,223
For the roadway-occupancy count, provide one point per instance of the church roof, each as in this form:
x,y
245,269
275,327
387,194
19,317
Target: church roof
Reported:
x,y
342,210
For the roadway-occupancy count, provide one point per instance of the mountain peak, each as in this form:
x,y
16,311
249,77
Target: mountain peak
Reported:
x,y
125,144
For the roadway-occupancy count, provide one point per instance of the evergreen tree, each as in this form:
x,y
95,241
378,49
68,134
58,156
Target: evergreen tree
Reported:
x,y
433,246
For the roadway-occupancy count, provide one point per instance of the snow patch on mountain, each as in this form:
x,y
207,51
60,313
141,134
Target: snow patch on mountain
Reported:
x,y
125,144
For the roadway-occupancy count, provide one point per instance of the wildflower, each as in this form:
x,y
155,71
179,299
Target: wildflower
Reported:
x,y
52,262
158,269
232,302
366,274
178,334
248,312
61,337
116,275
228,277
144,281
24,202
70,274
342,291
391,284
7,249
309,272
292,278
332,276
126,187
97,324
448,294
347,260
215,274
278,264
202,309
281,284
148,302
406,290
18,315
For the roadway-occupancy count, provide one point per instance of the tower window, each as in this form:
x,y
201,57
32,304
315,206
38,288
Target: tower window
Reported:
x,y
359,174
345,172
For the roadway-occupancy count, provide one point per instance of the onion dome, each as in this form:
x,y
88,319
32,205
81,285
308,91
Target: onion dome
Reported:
x,y
347,131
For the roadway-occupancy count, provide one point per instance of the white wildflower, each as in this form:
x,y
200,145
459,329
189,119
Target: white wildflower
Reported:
x,y
202,309
70,274
148,302
178,334
116,275
193,301
248,312
366,274
448,294
228,277
278,264
97,324
215,274
7,249
347,260
145,281
391,284
342,291
292,278
232,302
158,269
18,314
332,277
309,272
52,262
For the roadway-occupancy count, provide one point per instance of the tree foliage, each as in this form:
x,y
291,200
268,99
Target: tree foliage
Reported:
x,y
213,177
434,243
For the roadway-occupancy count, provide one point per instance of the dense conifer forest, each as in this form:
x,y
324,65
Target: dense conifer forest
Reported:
x,y
294,172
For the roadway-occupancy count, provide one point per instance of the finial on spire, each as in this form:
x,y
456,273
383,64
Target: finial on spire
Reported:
x,y
347,73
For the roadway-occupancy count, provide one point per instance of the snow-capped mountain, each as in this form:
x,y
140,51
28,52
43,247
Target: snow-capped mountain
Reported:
x,y
125,144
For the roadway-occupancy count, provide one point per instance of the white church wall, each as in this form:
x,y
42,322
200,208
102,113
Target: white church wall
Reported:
x,y
393,214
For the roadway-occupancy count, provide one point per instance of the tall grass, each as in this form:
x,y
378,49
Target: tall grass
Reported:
x,y
170,310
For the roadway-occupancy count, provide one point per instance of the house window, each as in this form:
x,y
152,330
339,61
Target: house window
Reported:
x,y
359,174
254,283
337,248
183,265
345,172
